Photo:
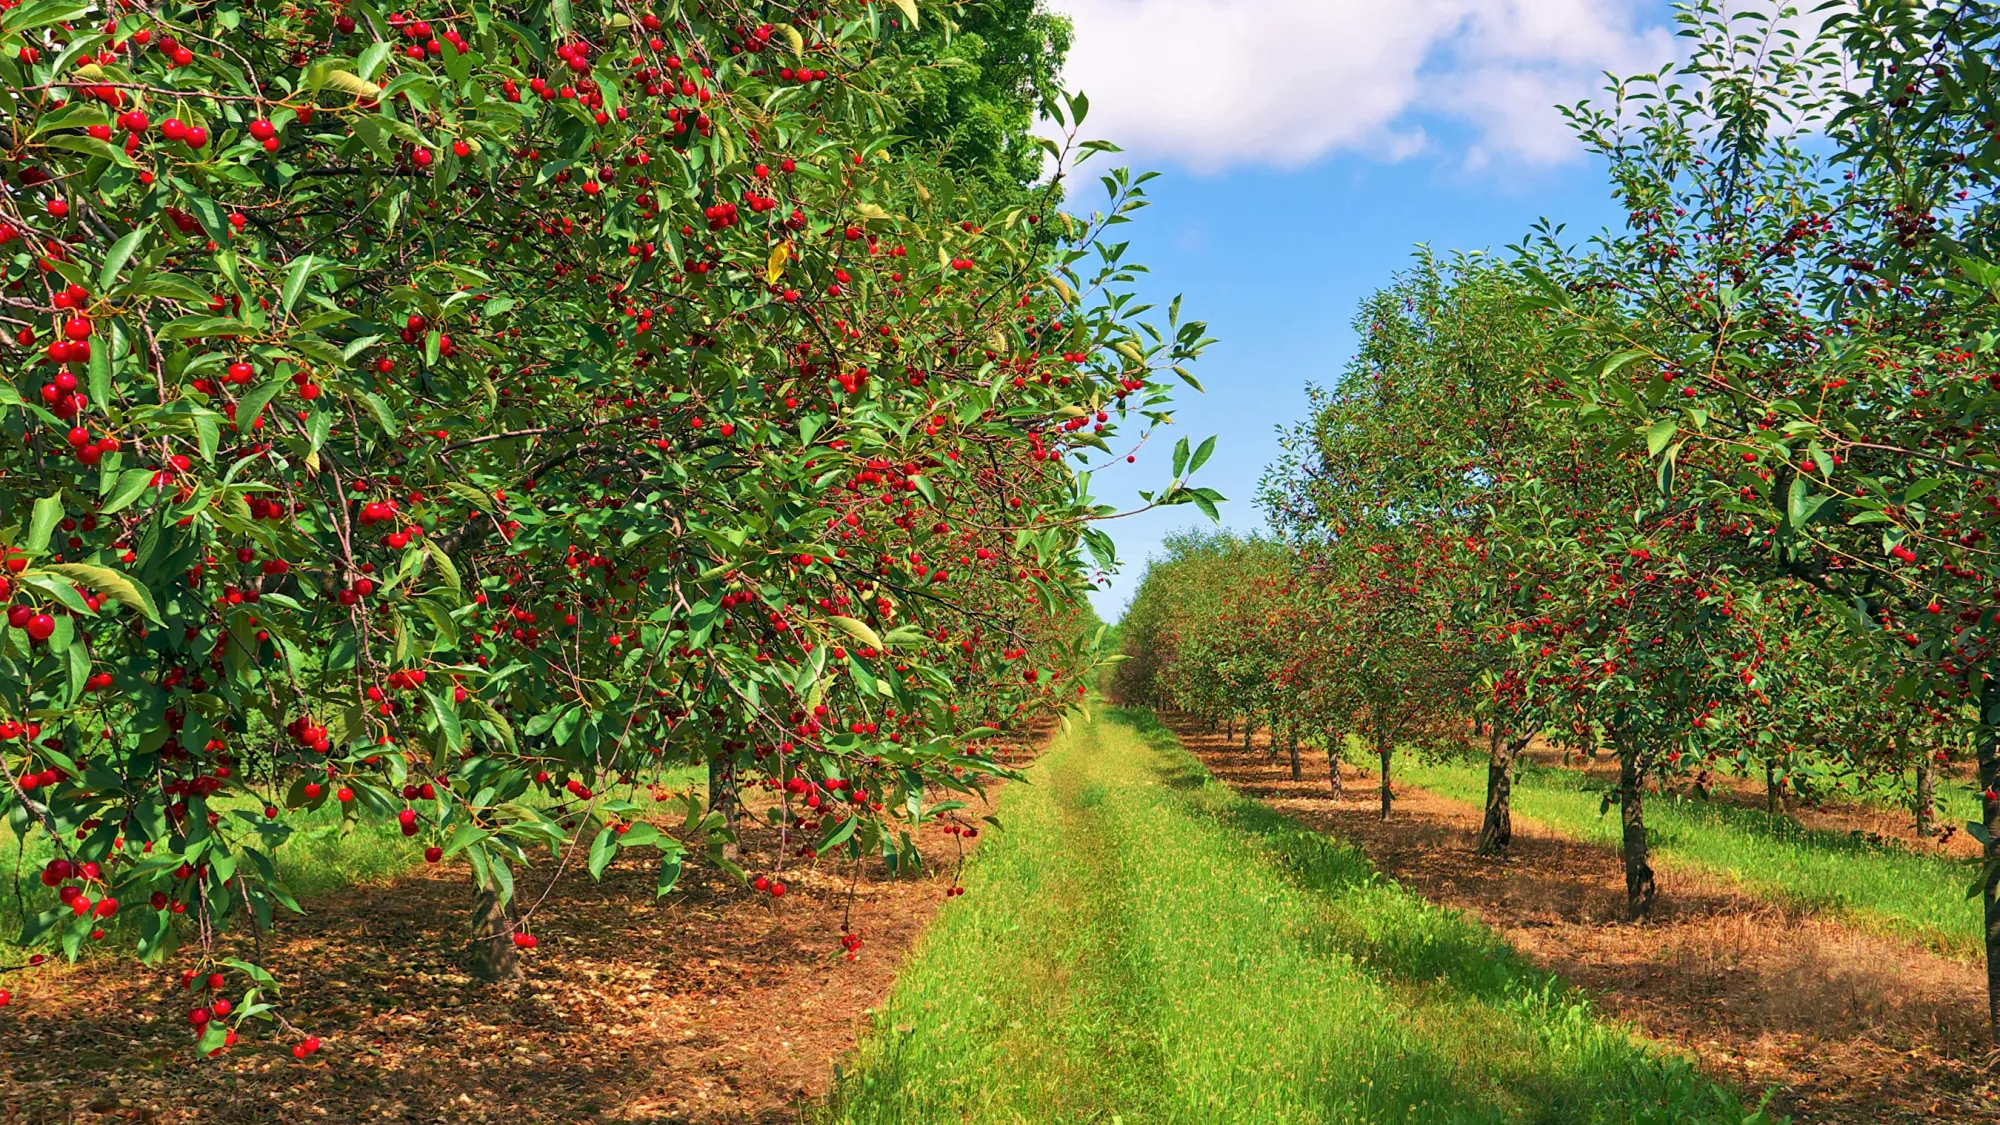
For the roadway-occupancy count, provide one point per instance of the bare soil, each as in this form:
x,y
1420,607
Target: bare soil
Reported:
x,y
718,1004
1842,1026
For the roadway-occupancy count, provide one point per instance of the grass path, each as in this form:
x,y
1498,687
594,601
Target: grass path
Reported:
x,y
1142,945
1886,888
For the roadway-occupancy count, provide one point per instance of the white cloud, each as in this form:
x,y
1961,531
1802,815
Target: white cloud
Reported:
x,y
1214,83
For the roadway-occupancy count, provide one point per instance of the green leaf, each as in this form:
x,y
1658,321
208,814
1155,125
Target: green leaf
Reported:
x,y
670,873
477,497
42,14
602,849
120,253
111,584
497,721
296,276
251,405
1659,434
47,513
838,834
255,973
1201,455
213,1036
449,726
909,8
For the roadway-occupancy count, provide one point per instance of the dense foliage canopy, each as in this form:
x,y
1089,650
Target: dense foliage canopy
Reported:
x,y
465,417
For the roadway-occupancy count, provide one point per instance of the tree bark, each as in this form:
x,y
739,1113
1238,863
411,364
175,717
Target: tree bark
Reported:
x,y
1333,742
1496,834
1926,799
1383,748
1229,732
493,955
1774,801
1639,886
1249,729
1292,747
1989,784
722,799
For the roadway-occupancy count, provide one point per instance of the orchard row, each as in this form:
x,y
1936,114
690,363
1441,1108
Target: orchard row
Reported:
x,y
1715,493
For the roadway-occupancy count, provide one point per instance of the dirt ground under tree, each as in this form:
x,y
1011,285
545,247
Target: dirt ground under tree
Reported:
x,y
715,1005
1846,1027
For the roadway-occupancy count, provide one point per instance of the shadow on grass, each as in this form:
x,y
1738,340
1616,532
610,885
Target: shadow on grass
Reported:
x,y
1412,943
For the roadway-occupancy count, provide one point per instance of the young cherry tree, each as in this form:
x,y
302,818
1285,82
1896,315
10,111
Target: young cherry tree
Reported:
x,y
461,418
1802,339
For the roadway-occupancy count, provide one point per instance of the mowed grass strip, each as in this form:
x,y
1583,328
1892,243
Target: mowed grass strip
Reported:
x,y
1883,887
1141,945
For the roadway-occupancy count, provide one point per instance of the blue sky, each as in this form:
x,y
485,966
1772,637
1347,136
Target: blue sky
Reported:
x,y
1274,240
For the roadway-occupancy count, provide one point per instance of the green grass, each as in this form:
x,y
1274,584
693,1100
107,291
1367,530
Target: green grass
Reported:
x,y
322,855
318,857
1884,887
1141,946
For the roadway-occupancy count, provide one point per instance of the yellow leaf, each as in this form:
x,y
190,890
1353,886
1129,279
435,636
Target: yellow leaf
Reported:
x,y
1068,294
348,82
793,39
858,630
909,9
870,212
775,268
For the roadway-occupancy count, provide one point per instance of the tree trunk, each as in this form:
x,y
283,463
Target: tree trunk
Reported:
x,y
1639,885
722,799
1497,832
1774,800
1383,748
1229,732
1926,799
1249,729
1989,783
493,957
1333,742
1292,747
